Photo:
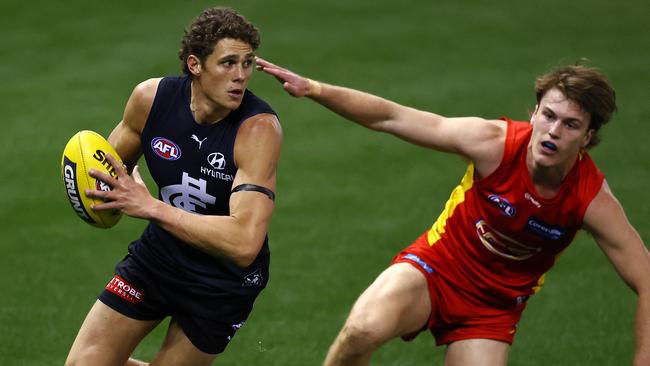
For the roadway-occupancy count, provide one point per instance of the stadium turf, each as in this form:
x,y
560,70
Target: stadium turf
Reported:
x,y
348,198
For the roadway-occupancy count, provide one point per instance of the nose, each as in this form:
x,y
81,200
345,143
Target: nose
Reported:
x,y
239,74
555,129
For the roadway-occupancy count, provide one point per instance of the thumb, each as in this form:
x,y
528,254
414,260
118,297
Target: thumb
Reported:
x,y
136,175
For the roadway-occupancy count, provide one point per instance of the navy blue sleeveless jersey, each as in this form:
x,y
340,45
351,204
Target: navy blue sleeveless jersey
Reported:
x,y
193,166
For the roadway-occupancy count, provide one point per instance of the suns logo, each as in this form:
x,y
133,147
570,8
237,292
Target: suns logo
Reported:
x,y
165,148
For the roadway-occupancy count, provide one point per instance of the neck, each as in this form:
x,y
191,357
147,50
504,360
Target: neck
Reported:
x,y
204,110
547,179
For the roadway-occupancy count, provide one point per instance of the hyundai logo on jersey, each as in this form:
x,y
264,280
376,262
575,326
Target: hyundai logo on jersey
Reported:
x,y
217,160
165,148
504,205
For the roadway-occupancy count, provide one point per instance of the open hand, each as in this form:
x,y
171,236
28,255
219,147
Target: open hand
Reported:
x,y
129,194
293,83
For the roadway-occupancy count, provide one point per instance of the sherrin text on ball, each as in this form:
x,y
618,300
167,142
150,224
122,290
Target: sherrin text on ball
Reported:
x,y
87,150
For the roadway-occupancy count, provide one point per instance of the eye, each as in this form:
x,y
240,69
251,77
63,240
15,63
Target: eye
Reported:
x,y
248,63
572,125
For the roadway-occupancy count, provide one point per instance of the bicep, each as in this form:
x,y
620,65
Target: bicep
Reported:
x,y
257,151
125,137
605,219
475,138
126,142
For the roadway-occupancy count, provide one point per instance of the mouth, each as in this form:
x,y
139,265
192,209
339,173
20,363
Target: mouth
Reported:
x,y
235,93
549,146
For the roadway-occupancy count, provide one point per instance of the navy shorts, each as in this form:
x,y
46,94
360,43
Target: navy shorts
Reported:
x,y
209,317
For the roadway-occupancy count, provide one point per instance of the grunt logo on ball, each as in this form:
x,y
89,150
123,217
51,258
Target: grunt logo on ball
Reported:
x,y
70,180
165,148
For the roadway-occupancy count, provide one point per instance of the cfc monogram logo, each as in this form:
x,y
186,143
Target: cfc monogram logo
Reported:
x,y
188,195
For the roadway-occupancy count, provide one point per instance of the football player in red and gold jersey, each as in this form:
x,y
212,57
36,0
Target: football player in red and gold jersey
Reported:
x,y
529,187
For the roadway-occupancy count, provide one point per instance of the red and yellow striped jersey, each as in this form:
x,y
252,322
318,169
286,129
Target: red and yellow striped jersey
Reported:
x,y
496,237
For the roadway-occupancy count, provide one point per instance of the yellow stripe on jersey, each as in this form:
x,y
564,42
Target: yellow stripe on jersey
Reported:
x,y
540,283
456,198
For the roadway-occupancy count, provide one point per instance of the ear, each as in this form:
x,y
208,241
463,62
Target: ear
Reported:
x,y
194,65
532,115
587,138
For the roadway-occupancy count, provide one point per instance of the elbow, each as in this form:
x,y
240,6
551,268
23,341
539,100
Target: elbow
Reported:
x,y
247,253
244,261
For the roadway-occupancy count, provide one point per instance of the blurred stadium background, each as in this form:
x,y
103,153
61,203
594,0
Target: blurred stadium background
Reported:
x,y
348,199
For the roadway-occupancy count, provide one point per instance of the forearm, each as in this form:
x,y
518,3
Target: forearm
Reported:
x,y
219,236
642,330
365,109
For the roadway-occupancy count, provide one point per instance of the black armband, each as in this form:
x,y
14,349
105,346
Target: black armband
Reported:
x,y
256,188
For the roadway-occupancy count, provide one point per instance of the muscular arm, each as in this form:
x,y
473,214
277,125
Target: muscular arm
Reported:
x,y
623,246
125,137
239,236
475,138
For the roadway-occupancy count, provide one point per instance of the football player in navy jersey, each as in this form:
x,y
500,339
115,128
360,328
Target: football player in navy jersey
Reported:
x,y
212,148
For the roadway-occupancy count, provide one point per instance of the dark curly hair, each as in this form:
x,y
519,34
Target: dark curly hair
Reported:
x,y
209,28
587,87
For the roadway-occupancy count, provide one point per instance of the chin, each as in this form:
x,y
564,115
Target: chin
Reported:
x,y
545,161
233,104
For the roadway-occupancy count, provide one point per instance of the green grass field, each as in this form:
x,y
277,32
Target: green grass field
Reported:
x,y
348,198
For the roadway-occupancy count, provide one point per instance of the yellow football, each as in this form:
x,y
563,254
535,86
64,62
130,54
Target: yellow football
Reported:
x,y
87,150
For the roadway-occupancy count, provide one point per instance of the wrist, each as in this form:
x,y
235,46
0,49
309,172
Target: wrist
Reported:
x,y
154,210
315,88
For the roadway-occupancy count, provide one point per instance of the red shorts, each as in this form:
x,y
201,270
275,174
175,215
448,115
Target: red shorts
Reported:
x,y
456,315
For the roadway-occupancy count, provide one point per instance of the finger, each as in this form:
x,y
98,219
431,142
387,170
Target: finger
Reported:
x,y
98,194
119,168
263,63
104,177
269,70
283,75
112,205
291,89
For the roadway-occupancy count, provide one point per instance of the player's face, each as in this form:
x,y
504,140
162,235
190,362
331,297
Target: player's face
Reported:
x,y
226,72
560,131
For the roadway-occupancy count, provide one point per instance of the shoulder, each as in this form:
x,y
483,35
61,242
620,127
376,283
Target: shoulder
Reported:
x,y
139,104
590,178
260,126
602,209
258,144
486,144
145,92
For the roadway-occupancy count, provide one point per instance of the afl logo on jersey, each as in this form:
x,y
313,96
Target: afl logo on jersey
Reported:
x,y
165,148
503,204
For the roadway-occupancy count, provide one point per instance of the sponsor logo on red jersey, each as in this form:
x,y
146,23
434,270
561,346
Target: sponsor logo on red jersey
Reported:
x,y
547,231
502,245
125,290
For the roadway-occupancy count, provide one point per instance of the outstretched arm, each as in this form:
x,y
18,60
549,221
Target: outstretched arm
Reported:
x,y
475,138
606,221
